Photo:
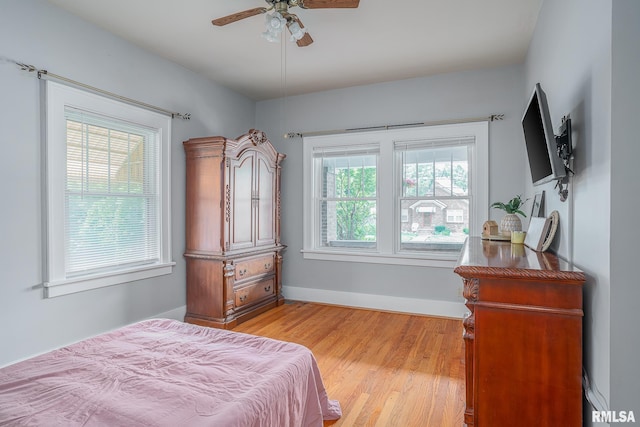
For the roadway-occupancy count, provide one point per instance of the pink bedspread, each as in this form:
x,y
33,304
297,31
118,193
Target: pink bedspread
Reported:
x,y
167,373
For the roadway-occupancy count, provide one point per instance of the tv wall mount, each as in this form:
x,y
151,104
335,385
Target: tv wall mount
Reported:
x,y
564,148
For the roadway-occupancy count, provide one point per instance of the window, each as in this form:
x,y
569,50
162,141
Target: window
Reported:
x,y
402,196
107,192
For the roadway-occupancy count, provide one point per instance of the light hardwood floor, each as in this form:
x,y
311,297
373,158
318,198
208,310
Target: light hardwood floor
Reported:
x,y
385,369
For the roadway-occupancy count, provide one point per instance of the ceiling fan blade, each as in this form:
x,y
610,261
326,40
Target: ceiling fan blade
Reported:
x,y
305,41
328,4
238,16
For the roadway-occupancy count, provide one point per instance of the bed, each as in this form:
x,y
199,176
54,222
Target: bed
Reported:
x,y
163,372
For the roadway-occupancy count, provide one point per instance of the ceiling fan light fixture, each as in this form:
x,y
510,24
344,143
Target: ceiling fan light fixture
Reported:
x,y
276,21
271,36
297,32
274,24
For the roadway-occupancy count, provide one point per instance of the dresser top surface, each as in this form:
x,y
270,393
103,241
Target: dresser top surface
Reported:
x,y
504,259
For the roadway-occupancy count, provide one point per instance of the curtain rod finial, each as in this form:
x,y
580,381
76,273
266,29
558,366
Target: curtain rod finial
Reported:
x,y
292,135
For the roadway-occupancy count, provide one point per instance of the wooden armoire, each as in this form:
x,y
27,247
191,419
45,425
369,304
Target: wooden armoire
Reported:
x,y
233,249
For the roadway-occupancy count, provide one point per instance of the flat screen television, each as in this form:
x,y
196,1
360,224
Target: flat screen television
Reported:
x,y
544,162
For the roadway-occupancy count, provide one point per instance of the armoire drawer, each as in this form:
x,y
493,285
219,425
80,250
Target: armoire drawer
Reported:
x,y
255,291
257,266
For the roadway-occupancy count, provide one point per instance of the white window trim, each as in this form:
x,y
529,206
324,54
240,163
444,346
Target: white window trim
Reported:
x,y
387,252
57,96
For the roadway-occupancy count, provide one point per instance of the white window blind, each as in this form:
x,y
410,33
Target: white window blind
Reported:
x,y
111,194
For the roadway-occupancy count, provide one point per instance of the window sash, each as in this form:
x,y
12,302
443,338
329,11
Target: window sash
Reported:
x,y
428,230
111,197
342,207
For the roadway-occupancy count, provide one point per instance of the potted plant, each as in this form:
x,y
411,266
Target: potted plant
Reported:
x,y
510,222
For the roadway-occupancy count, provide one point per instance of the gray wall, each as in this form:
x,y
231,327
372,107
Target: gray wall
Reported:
x,y
38,33
625,204
585,54
570,55
442,97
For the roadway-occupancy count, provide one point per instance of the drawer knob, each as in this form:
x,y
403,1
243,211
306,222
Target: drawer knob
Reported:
x,y
243,298
267,288
242,272
267,266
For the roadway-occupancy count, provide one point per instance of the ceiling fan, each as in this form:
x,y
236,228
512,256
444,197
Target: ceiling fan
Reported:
x,y
281,17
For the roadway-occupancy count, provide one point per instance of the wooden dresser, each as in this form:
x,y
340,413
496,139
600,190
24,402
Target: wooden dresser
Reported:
x,y
233,249
523,336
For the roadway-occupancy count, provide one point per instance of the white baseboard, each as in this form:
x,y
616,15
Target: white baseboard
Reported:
x,y
175,314
377,302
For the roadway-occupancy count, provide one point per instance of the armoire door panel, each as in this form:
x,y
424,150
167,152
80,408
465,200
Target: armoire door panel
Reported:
x,y
242,199
265,203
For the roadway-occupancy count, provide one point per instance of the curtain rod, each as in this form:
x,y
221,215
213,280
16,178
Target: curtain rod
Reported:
x,y
44,74
491,118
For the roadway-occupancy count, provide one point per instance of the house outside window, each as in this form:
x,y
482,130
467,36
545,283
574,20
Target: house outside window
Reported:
x,y
402,196
107,192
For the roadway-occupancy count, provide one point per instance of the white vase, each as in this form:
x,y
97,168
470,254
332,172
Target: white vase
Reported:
x,y
509,223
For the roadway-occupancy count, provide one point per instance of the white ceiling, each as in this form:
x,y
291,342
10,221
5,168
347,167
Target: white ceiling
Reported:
x,y
382,40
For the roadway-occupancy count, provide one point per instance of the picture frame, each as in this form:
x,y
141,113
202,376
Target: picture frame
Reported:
x,y
537,233
554,220
537,207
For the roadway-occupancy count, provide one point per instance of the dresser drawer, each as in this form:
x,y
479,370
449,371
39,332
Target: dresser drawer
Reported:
x,y
255,291
257,266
